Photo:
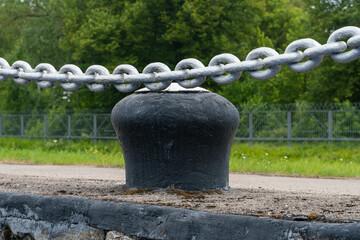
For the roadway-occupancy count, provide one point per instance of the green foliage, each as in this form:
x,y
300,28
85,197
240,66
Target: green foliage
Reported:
x,y
280,23
30,31
139,32
333,81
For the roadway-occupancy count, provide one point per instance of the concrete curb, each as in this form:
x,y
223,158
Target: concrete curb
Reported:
x,y
155,222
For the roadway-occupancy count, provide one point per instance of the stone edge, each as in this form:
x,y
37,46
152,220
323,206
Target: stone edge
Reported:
x,y
157,222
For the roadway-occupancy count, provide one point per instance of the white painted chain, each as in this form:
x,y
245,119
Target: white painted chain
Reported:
x,y
189,73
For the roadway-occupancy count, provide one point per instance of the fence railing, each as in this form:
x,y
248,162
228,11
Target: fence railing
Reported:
x,y
321,125
89,126
289,126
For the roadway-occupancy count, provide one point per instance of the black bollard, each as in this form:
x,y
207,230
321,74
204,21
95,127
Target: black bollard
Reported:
x,y
178,138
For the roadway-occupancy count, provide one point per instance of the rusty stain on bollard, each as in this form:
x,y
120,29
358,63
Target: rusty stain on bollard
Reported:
x,y
177,138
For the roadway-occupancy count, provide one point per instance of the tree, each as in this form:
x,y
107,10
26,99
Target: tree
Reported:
x,y
141,32
281,22
333,81
30,30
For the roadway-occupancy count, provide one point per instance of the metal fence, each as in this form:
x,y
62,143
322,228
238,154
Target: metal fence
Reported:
x,y
320,125
89,126
289,126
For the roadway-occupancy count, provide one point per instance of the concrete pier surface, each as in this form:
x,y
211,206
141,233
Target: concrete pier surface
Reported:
x,y
80,202
255,195
343,186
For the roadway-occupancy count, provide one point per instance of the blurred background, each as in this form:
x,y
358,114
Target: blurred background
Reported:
x,y
110,33
291,109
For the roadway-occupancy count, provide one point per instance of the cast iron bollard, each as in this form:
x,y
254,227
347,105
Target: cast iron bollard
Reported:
x,y
179,138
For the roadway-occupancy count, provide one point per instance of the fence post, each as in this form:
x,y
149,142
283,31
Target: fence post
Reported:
x,y
69,126
45,126
22,126
95,128
330,125
289,128
251,133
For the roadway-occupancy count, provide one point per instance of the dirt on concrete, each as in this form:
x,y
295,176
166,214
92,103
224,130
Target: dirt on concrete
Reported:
x,y
301,199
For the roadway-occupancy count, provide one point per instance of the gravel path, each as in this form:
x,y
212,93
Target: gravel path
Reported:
x,y
266,196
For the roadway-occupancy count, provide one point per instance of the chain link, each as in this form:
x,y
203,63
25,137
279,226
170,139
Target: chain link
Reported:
x,y
221,60
187,64
189,73
312,62
45,68
97,70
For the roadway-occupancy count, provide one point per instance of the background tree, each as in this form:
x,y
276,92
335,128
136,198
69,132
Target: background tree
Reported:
x,y
281,22
139,32
145,31
30,31
333,81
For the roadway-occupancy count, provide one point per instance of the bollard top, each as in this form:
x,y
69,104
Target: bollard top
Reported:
x,y
174,88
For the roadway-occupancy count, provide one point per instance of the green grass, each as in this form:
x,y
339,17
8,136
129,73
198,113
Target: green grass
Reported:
x,y
61,152
307,159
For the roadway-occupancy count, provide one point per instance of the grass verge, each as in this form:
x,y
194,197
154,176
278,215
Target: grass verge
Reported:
x,y
306,159
61,152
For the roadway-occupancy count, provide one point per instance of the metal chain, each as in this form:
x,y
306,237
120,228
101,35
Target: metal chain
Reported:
x,y
189,73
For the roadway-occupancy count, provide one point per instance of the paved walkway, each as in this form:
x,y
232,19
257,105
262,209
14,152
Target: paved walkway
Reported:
x,y
247,181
